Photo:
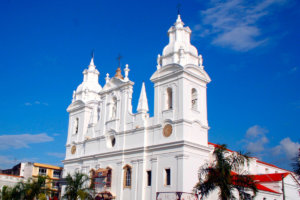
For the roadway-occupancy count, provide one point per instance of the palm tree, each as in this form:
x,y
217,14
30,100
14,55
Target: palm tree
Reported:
x,y
75,188
221,174
296,164
33,188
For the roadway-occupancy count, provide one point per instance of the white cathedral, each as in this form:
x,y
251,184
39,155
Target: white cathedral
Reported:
x,y
132,156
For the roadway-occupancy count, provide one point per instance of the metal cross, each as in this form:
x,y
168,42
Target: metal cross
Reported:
x,y
178,8
119,59
93,53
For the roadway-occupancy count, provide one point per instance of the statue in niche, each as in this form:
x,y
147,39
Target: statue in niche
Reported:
x,y
76,126
114,108
98,113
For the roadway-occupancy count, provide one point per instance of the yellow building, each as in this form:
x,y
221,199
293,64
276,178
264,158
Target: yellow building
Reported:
x,y
52,172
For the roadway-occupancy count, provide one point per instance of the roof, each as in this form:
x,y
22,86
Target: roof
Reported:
x,y
264,188
270,177
11,175
47,166
258,161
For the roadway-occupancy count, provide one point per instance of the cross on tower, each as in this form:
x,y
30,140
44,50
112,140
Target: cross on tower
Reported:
x,y
178,8
93,54
119,60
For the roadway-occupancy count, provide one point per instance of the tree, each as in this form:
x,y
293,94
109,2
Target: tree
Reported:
x,y
34,188
75,188
296,164
222,174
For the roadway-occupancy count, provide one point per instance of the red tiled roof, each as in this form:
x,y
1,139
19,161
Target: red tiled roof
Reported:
x,y
258,186
264,188
259,161
270,177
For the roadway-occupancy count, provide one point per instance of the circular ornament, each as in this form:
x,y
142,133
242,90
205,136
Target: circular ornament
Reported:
x,y
73,149
167,131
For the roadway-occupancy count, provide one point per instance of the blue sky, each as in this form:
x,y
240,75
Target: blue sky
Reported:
x,y
250,50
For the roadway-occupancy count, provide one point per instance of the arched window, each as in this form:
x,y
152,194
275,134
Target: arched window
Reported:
x,y
108,177
169,99
194,99
127,176
76,124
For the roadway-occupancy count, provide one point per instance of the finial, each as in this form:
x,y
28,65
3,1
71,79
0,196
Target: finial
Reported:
x,y
92,59
107,77
126,70
200,60
158,66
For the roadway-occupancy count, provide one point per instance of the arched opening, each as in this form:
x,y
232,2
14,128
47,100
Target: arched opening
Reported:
x,y
127,176
169,99
194,99
76,124
108,177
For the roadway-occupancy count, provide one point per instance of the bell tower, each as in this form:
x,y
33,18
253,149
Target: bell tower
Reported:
x,y
84,107
180,87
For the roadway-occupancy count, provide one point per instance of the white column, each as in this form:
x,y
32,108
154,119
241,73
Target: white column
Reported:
x,y
179,179
154,178
119,179
134,180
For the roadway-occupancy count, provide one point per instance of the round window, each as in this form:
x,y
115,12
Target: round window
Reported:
x,y
167,131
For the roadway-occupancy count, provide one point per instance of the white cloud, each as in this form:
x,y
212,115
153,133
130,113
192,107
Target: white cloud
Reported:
x,y
9,161
256,139
35,103
55,154
258,146
22,140
255,131
287,147
234,23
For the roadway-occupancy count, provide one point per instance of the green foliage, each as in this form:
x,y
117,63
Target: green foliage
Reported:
x,y
76,187
296,164
221,174
30,190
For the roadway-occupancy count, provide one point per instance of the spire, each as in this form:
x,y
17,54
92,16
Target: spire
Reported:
x,y
179,23
143,102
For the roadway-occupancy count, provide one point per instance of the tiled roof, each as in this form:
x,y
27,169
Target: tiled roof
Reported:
x,y
270,177
264,188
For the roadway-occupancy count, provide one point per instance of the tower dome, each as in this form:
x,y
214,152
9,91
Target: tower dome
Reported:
x,y
90,87
179,50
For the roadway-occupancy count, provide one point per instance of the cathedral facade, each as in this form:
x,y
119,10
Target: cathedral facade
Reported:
x,y
132,156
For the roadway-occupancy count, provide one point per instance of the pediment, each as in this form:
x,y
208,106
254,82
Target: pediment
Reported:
x,y
76,105
197,71
113,82
166,70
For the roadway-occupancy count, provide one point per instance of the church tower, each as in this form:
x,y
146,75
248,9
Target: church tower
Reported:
x,y
180,87
84,107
